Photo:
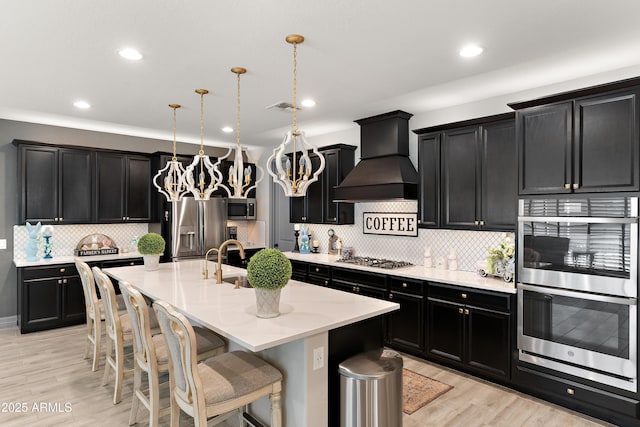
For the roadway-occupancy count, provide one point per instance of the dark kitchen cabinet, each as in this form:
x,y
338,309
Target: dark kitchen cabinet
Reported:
x,y
56,184
317,206
319,275
224,169
234,259
359,282
467,174
406,326
123,187
470,329
580,142
49,297
299,270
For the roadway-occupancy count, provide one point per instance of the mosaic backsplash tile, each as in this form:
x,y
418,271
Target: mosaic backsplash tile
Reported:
x,y
470,246
66,237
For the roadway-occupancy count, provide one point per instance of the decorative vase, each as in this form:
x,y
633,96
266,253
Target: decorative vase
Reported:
x,y
151,262
267,303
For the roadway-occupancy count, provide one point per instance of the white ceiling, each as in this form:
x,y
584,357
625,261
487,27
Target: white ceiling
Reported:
x,y
360,58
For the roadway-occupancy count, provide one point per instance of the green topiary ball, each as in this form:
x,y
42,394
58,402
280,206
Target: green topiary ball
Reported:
x,y
150,244
269,269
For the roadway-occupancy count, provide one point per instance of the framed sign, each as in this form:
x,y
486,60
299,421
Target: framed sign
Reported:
x,y
390,223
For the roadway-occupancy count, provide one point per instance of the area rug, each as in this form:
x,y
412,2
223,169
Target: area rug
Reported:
x,y
418,390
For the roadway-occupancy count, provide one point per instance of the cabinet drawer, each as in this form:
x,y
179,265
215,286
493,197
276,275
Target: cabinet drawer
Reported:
x,y
29,273
415,287
360,277
318,280
319,270
491,301
121,263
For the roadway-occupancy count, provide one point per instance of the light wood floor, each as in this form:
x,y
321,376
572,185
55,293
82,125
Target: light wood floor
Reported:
x,y
48,368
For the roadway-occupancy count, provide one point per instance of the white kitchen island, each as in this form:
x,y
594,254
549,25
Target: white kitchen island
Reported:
x,y
312,317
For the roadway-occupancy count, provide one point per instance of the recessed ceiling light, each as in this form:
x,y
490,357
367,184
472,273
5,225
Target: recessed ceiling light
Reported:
x,y
130,53
308,103
227,129
470,50
82,105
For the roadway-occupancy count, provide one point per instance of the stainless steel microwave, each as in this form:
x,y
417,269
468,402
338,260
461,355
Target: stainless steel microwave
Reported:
x,y
239,209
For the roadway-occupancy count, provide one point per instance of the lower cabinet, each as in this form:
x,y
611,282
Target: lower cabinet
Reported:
x,y
470,329
406,327
49,297
234,259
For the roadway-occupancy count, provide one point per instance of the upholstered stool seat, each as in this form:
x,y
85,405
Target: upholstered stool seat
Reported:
x,y
207,342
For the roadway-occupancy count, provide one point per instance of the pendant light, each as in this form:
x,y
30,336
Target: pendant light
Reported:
x,y
239,176
200,176
279,165
172,186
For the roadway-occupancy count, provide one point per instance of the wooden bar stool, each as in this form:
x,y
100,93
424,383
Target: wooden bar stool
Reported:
x,y
151,355
217,387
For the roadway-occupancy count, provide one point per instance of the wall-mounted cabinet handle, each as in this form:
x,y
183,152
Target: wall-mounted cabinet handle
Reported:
x,y
575,187
304,218
477,222
61,219
124,218
571,391
463,296
64,281
166,215
59,281
567,186
460,310
334,219
466,311
481,222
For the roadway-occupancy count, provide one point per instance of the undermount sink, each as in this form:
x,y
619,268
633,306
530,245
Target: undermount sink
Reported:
x,y
240,280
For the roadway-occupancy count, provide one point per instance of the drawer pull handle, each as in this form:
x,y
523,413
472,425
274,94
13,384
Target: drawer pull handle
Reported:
x,y
62,270
59,281
464,296
64,281
466,311
571,391
460,310
317,269
404,284
60,219
326,283
390,296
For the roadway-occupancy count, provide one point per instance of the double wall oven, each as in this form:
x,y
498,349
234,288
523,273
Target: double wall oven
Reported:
x,y
578,287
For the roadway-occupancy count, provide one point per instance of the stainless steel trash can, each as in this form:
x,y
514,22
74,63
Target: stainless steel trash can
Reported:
x,y
371,390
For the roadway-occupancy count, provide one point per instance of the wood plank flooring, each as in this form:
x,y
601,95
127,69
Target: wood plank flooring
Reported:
x,y
45,372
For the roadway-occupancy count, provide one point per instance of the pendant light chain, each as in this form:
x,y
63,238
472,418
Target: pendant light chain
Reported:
x,y
201,152
238,115
295,88
175,107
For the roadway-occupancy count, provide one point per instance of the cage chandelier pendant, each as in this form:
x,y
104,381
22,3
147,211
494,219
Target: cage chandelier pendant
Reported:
x,y
239,176
170,180
200,176
279,165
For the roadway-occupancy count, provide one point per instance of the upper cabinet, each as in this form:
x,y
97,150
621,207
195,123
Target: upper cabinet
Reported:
x,y
579,142
56,184
123,187
318,207
467,174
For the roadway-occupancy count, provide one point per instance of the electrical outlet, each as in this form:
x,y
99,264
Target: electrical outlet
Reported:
x,y
3,243
318,358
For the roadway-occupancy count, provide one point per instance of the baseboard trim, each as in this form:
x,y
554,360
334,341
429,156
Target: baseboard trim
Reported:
x,y
8,322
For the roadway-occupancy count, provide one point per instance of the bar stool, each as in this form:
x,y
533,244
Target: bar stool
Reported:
x,y
151,355
216,387
93,311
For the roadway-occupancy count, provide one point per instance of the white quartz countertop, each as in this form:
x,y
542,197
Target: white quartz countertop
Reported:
x,y
70,259
305,309
460,278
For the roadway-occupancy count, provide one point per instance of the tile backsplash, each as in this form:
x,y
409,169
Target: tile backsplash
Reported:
x,y
470,246
65,238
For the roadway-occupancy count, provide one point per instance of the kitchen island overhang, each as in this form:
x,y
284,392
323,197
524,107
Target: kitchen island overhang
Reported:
x,y
311,318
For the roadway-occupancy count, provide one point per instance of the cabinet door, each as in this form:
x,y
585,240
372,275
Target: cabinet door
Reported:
x,y
429,180
76,186
111,180
488,341
338,163
41,307
314,197
73,310
405,327
39,195
138,206
499,176
445,326
461,178
606,143
544,148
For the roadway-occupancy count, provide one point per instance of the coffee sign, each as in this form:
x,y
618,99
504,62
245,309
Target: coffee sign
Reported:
x,y
390,223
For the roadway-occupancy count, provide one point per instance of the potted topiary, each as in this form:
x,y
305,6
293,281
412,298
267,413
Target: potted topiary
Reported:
x,y
268,272
151,246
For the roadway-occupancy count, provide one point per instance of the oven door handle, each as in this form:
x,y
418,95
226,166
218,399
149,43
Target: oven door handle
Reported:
x,y
580,219
583,295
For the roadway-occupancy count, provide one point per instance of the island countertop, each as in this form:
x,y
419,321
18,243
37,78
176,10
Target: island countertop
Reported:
x,y
306,309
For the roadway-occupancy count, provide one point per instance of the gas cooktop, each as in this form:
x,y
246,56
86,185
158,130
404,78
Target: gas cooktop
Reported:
x,y
374,262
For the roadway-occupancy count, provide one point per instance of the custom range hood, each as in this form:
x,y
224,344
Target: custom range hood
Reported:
x,y
385,171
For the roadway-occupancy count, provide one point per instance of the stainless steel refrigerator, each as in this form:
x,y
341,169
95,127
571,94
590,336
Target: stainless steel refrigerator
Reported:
x,y
197,226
